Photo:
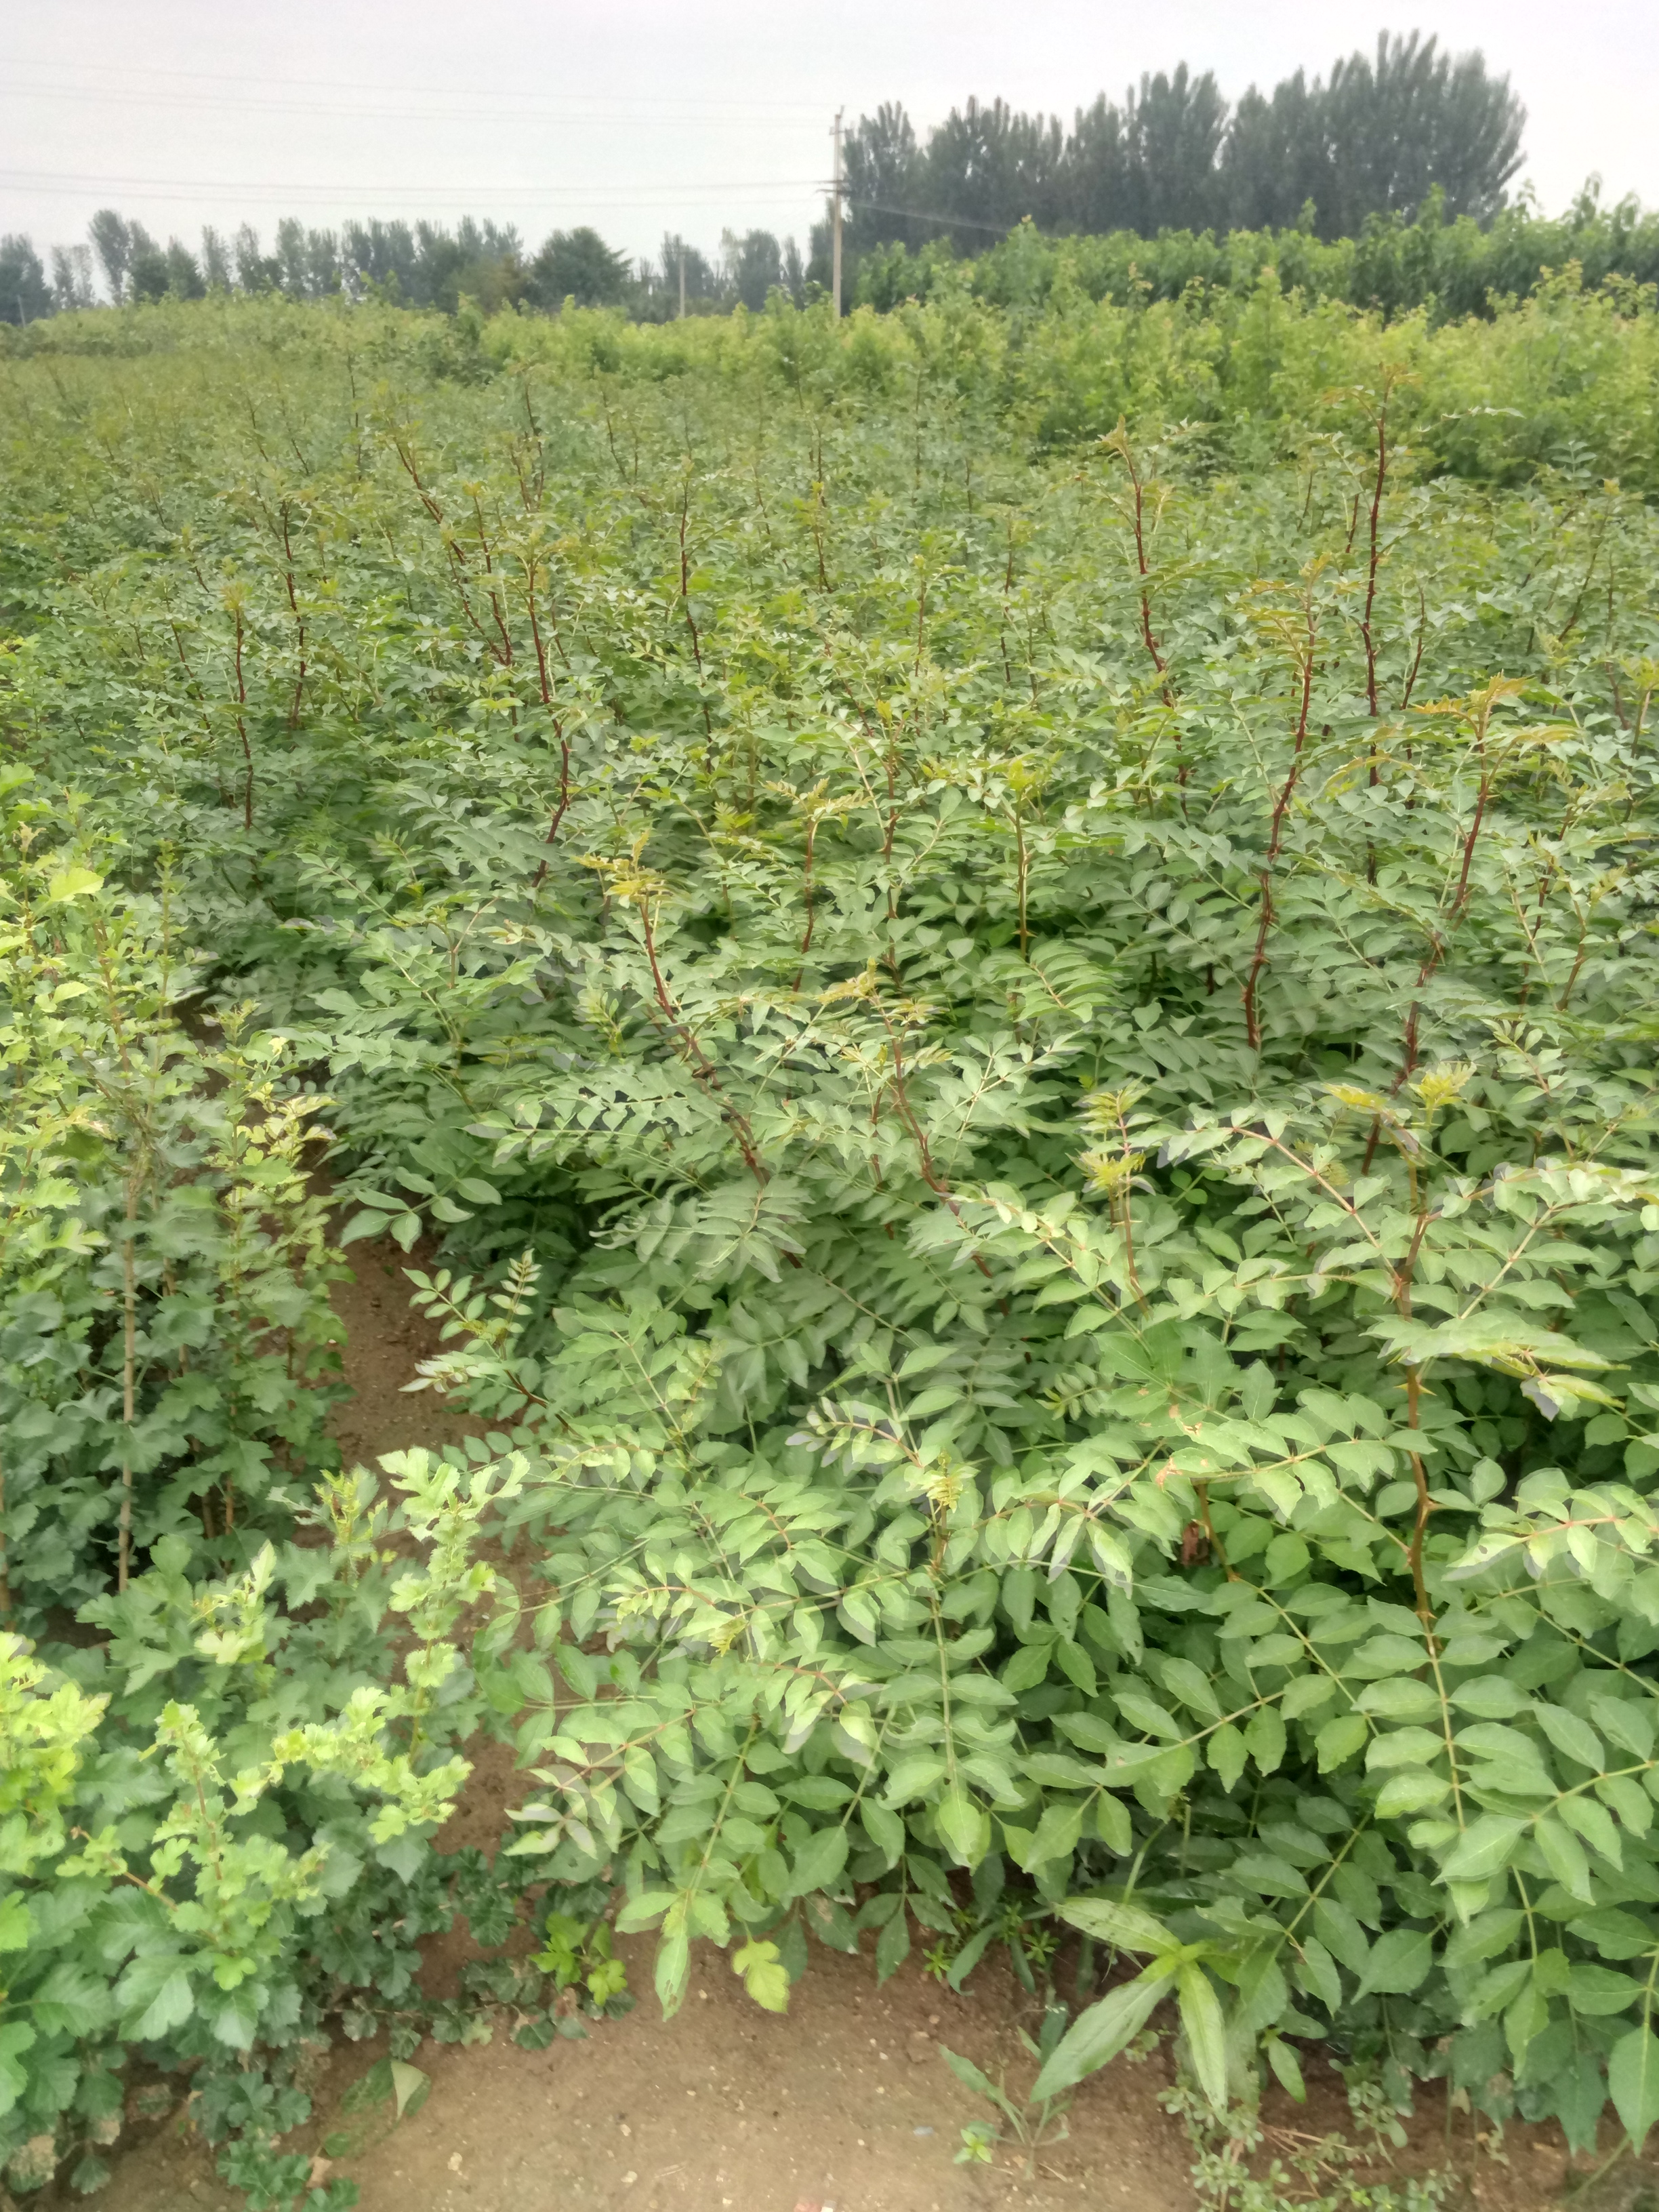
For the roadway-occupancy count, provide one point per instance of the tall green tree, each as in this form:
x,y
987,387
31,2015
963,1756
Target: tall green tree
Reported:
x,y
1276,160
884,177
755,266
111,242
255,270
24,295
1177,124
216,259
989,168
577,264
71,278
148,276
184,280
1412,119
1098,191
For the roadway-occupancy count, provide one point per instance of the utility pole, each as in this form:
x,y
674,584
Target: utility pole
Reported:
x,y
835,255
681,280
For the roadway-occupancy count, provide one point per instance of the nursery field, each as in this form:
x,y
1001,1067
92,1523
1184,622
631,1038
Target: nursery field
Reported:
x,y
982,985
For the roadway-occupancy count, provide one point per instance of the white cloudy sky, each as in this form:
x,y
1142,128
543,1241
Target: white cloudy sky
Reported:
x,y
642,115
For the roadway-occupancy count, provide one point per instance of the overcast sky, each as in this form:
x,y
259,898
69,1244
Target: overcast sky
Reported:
x,y
639,116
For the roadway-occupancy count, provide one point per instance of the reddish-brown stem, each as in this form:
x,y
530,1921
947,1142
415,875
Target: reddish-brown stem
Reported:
x,y
457,558
505,656
299,619
701,1066
1149,638
558,811
685,576
1577,965
808,889
1462,899
241,727
1441,939
129,1365
930,1175
1024,869
1251,1013
541,650
1370,577
1425,1508
1417,657
1402,1301
1370,1142
1409,1043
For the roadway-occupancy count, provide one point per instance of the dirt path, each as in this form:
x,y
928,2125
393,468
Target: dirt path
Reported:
x,y
845,2105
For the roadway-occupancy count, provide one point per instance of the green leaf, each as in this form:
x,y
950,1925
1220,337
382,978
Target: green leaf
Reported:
x,y
971,2076
1566,1858
1595,1824
673,1969
368,2089
1057,1832
71,2001
1096,2036
16,2037
1113,1824
1412,1790
761,1966
1341,1934
1573,1738
1027,1667
971,1954
643,1910
1125,1926
1485,1845
965,1825
819,1861
1491,1698
912,1776
1633,2083
885,1829
1399,1963
1265,1739
892,1945
1228,1753
410,2088
1338,1740
155,1994
1596,1991
1205,2033
1287,2068
15,1922
1316,1970
72,883
231,2014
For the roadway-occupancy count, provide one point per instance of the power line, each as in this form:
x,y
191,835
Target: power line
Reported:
x,y
194,188
623,103
357,113
921,215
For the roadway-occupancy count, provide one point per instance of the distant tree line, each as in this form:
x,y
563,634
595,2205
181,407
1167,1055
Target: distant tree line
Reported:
x,y
420,264
1383,183
1373,138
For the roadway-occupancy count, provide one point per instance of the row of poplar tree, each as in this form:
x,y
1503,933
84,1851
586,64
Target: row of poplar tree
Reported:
x,y
1375,137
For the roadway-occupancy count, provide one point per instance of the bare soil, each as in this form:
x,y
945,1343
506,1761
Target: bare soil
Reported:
x,y
845,2105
